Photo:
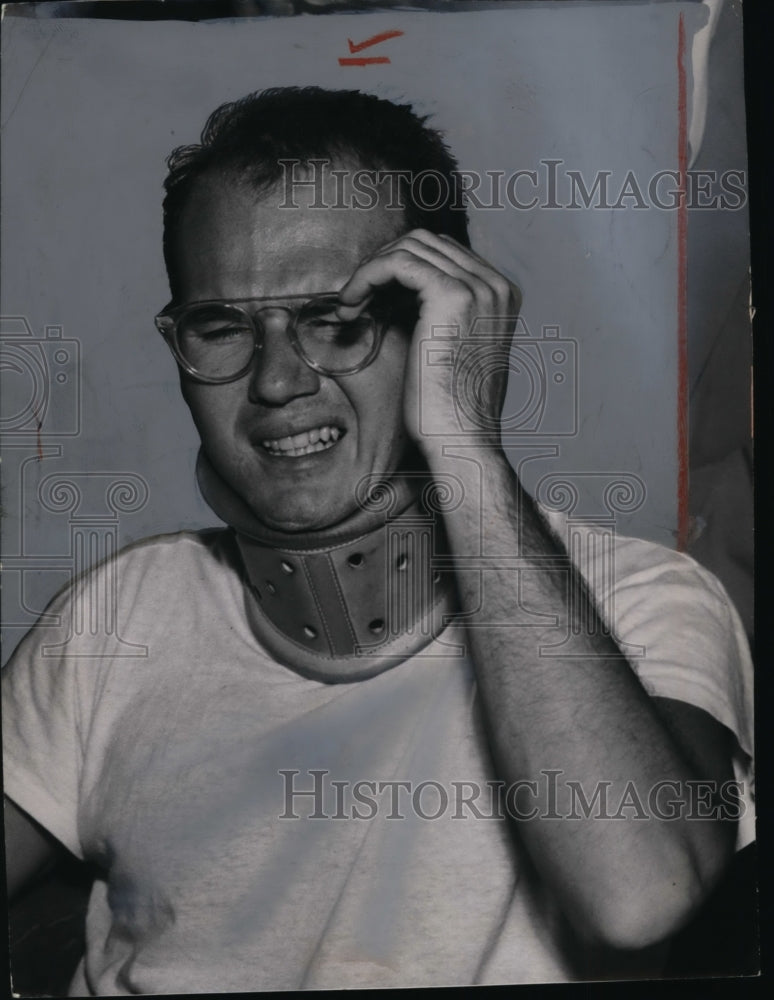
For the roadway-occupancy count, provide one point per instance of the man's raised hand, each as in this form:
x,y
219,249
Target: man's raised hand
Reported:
x,y
457,293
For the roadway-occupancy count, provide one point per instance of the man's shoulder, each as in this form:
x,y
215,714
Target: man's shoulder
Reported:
x,y
144,586
174,560
647,580
202,543
634,560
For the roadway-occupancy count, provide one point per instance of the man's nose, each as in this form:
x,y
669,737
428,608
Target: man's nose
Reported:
x,y
279,374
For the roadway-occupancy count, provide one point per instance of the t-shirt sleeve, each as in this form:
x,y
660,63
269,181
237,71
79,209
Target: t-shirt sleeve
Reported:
x,y
685,640
42,726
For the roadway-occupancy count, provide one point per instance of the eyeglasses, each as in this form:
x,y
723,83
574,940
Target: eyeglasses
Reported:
x,y
216,341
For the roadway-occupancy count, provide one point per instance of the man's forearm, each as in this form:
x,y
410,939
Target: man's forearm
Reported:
x,y
582,715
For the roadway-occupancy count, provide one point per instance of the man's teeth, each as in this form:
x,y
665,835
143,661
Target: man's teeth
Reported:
x,y
317,439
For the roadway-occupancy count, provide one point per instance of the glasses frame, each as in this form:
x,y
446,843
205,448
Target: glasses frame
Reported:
x,y
168,320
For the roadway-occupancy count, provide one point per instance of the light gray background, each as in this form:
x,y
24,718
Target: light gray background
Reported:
x,y
90,109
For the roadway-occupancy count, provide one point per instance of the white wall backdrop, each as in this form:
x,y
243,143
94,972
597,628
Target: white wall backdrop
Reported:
x,y
90,110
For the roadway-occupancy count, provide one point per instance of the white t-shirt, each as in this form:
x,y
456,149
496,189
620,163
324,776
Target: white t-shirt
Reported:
x,y
177,771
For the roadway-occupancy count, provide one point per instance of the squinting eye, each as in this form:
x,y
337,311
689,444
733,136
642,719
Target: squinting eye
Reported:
x,y
222,333
321,329
336,330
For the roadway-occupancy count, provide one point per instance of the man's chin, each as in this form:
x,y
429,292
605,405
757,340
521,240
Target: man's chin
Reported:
x,y
300,520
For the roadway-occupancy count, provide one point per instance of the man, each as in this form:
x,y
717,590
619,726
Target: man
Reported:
x,y
389,620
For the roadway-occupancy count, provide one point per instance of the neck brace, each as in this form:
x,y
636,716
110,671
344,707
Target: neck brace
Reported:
x,y
345,603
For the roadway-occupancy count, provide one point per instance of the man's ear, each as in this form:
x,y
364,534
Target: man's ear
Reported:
x,y
185,383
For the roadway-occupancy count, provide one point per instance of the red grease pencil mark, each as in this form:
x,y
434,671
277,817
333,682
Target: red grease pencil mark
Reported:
x,y
682,298
363,62
374,40
38,428
359,46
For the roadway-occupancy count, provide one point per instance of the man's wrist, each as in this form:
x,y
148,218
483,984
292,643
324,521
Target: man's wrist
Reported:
x,y
445,452
478,474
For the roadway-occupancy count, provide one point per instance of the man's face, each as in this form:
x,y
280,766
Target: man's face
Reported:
x,y
232,246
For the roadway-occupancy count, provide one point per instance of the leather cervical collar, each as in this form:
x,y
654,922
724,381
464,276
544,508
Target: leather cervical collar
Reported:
x,y
346,603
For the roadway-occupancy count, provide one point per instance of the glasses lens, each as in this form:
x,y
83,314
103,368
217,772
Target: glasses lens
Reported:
x,y
331,343
215,340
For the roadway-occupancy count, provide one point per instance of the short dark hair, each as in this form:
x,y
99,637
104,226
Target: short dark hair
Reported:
x,y
247,139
